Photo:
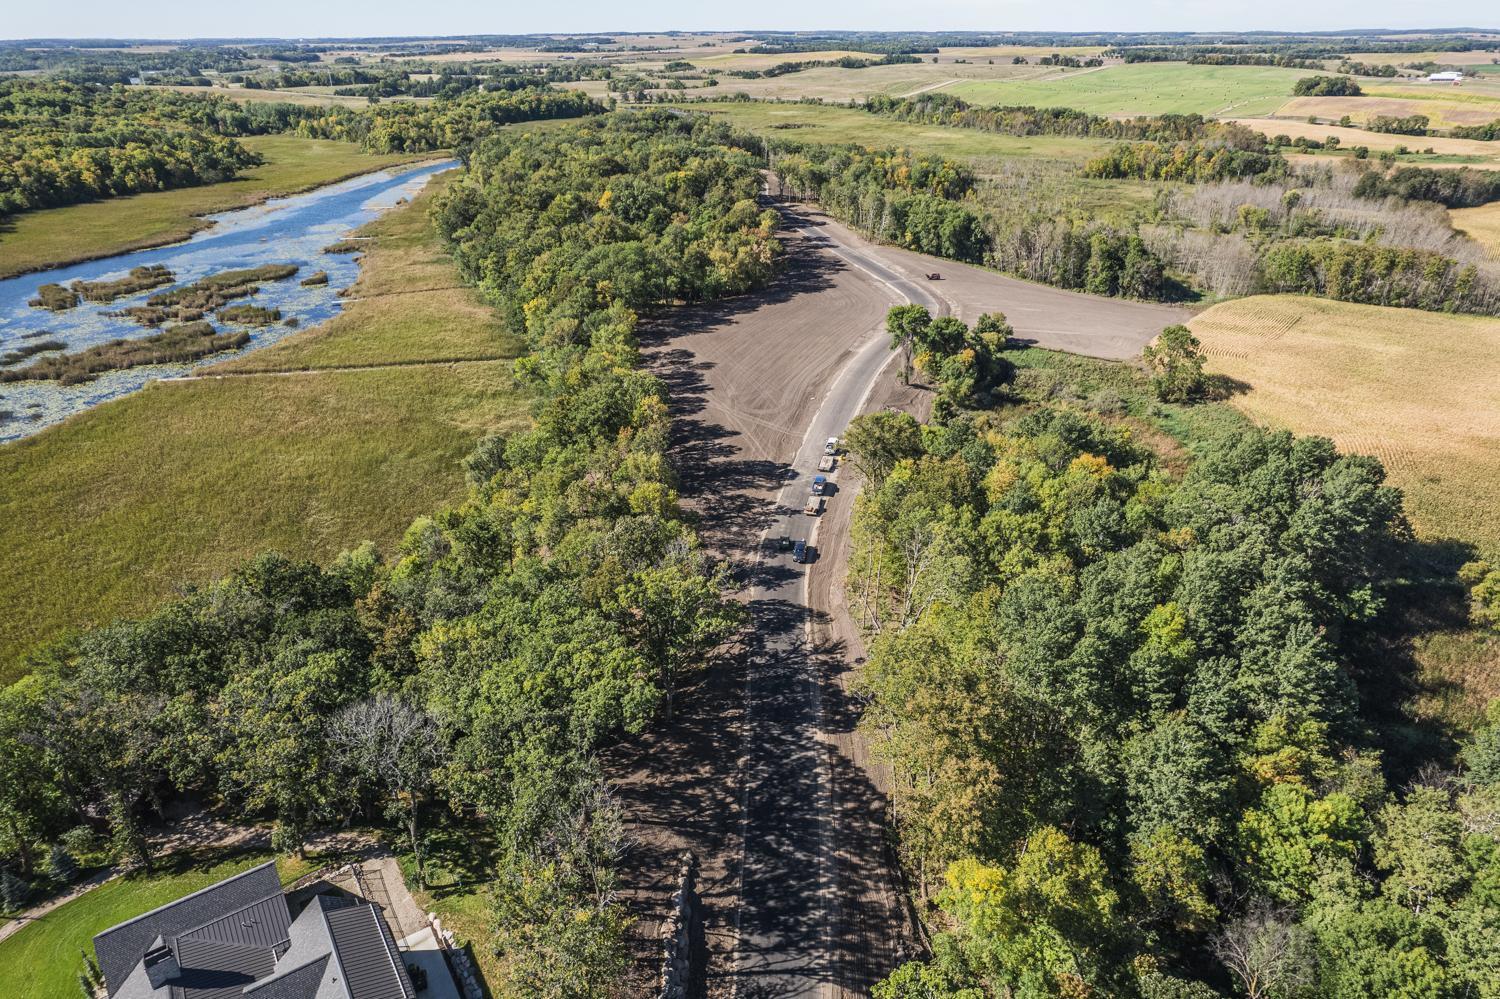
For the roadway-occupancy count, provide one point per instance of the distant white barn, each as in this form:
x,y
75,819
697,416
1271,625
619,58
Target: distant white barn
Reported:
x,y
1447,76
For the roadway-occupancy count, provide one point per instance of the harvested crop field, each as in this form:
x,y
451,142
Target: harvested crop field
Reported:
x,y
1418,390
1379,141
1441,111
1482,224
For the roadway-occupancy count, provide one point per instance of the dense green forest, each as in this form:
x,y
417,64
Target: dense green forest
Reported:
x,y
555,610
1128,716
61,143
443,124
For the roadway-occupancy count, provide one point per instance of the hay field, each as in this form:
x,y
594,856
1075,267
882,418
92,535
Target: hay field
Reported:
x,y
1482,224
1418,390
1440,112
1438,56
1147,89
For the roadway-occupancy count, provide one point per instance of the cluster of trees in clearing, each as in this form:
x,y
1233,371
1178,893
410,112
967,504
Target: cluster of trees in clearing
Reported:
x,y
1195,162
907,198
1326,86
480,666
967,366
1126,716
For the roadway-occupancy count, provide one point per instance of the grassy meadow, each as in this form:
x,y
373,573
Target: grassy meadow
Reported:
x,y
56,236
1146,89
112,511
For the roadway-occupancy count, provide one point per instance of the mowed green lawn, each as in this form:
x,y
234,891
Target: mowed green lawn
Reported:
x,y
57,236
823,123
111,512
1146,89
42,960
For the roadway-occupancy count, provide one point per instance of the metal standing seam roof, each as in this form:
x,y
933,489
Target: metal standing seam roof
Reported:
x,y
363,946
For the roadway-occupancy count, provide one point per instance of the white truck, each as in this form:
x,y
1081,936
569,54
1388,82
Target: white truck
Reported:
x,y
827,463
831,446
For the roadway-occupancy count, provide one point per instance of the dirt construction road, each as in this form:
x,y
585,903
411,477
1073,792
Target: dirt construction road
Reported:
x,y
762,774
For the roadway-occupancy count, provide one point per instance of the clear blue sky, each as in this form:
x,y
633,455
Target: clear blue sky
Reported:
x,y
308,18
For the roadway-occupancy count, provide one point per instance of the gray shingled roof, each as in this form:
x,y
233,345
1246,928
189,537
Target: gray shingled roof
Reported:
x,y
119,948
298,983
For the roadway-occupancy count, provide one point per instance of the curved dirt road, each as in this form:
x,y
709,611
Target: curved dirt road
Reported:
x,y
762,774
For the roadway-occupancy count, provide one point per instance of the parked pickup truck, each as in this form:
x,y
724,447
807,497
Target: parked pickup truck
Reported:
x,y
799,551
820,484
831,446
826,463
814,506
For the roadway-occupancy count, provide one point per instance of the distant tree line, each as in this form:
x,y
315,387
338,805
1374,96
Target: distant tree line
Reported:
x,y
61,143
1461,188
1379,275
409,127
1412,124
1484,133
945,109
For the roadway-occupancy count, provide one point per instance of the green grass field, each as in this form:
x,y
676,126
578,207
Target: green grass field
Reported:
x,y
57,236
1145,89
42,961
112,511
821,123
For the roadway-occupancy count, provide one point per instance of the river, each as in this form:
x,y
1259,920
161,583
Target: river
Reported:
x,y
290,230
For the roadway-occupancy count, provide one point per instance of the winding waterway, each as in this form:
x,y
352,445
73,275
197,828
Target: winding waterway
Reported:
x,y
291,230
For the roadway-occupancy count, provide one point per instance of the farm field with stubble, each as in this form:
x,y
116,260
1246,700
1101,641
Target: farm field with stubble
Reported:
x,y
1418,390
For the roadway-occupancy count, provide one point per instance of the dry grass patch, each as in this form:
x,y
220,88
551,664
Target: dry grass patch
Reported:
x,y
1418,390
1443,110
1482,225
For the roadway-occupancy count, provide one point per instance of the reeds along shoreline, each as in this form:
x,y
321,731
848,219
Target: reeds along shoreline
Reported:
x,y
176,345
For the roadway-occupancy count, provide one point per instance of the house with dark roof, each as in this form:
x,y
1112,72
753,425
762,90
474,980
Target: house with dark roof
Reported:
x,y
238,938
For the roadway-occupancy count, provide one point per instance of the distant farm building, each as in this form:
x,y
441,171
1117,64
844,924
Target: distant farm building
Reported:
x,y
1447,76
